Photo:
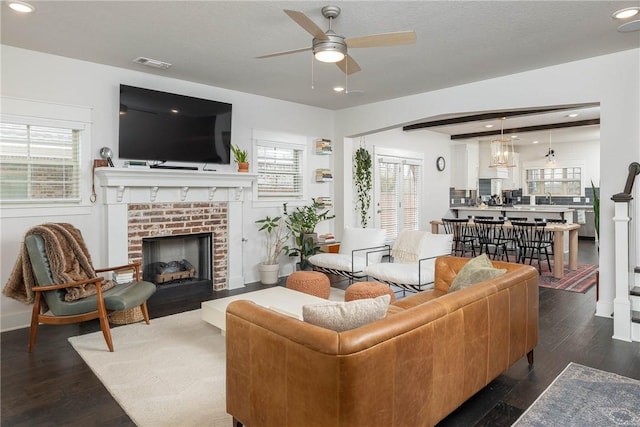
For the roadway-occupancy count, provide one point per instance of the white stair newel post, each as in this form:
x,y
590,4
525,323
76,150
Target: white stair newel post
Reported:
x,y
621,302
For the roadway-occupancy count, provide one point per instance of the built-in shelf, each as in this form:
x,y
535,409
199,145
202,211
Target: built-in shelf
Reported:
x,y
323,146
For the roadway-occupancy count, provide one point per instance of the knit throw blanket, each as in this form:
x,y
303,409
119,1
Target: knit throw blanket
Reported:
x,y
69,261
406,248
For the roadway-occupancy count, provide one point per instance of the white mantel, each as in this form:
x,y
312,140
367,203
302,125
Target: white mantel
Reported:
x,y
122,186
139,185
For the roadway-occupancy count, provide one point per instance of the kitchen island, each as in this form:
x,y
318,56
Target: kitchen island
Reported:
x,y
524,211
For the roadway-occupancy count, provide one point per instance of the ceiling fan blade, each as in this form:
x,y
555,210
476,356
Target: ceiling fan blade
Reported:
x,y
287,52
381,40
306,23
348,65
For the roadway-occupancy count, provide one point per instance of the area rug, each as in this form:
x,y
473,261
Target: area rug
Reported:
x,y
168,373
583,396
580,280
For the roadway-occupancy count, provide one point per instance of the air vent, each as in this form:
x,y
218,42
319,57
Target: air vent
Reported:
x,y
152,63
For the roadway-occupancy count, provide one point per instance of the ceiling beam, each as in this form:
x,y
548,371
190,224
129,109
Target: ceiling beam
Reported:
x,y
536,128
480,118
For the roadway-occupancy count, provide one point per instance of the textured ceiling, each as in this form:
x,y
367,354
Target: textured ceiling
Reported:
x,y
216,42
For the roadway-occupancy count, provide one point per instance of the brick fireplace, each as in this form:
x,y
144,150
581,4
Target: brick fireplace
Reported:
x,y
147,203
151,220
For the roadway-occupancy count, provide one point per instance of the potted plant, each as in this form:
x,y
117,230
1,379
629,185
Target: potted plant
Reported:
x,y
362,179
240,157
276,233
302,223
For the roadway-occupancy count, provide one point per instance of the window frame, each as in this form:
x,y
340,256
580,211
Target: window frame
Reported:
x,y
402,158
48,114
286,141
564,166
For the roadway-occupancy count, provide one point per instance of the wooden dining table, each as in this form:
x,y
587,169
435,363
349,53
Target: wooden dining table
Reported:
x,y
558,243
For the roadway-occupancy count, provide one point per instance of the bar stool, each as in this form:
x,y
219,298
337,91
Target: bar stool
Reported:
x,y
462,237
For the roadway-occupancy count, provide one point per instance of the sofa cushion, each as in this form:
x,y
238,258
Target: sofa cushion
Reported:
x,y
476,270
340,262
361,238
342,316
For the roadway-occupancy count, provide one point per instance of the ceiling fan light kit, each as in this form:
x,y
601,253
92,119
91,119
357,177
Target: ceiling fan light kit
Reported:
x,y
327,46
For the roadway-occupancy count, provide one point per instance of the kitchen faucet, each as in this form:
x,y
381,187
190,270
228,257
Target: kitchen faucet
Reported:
x,y
548,194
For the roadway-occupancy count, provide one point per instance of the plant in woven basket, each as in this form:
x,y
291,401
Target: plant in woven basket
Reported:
x,y
362,173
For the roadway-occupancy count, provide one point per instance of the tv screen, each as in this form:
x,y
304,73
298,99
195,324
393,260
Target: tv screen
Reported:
x,y
160,126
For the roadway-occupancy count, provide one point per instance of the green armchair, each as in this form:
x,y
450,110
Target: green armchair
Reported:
x,y
49,294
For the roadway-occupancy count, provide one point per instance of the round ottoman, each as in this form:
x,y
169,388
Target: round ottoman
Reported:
x,y
360,290
310,282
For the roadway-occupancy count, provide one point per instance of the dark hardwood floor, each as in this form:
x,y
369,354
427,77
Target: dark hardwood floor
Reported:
x,y
53,386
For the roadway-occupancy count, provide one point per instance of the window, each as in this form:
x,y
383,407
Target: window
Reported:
x,y
39,163
280,170
398,191
563,181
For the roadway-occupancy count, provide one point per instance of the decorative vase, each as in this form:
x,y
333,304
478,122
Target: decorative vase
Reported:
x,y
269,273
243,166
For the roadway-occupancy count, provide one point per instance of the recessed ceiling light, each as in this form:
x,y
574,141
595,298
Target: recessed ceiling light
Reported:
x,y
572,115
535,142
514,136
338,89
174,111
22,7
488,126
626,13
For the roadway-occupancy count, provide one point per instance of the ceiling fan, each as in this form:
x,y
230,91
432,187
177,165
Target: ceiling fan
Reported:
x,y
327,46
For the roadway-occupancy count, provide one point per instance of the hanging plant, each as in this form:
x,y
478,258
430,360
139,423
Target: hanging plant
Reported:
x,y
362,163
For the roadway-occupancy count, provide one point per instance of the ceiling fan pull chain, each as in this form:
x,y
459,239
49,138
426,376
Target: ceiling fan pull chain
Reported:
x,y
312,78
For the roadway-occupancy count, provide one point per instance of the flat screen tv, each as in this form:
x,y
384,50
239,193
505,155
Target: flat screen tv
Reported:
x,y
166,127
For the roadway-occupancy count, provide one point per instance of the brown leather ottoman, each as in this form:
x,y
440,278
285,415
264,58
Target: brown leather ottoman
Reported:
x,y
361,290
310,282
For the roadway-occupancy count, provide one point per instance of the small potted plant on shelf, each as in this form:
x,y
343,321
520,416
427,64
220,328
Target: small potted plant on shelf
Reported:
x,y
302,223
240,157
277,234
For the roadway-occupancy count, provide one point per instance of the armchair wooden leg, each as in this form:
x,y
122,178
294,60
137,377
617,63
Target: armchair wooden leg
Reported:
x,y
33,331
104,325
145,312
530,358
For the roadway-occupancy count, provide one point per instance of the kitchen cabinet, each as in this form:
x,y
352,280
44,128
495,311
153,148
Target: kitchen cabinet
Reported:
x,y
464,168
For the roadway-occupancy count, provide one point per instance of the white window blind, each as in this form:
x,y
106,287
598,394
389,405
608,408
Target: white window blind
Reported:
x,y
279,170
399,183
39,163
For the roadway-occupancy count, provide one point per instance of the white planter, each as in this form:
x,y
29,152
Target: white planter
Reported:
x,y
268,273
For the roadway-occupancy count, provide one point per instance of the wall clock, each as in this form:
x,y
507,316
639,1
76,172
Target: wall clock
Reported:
x,y
440,164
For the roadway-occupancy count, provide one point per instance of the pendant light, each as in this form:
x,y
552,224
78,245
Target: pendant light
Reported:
x,y
502,150
551,154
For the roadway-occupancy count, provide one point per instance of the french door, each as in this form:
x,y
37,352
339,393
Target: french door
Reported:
x,y
398,192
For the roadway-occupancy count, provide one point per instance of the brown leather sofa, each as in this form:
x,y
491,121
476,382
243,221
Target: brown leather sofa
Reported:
x,y
432,352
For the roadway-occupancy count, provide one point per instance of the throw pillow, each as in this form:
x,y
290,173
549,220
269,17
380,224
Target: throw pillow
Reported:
x,y
476,270
342,316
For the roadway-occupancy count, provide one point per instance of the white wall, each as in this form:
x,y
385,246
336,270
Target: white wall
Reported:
x,y
430,145
42,77
567,153
611,80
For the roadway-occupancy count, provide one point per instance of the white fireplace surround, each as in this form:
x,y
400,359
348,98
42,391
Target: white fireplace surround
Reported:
x,y
122,186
